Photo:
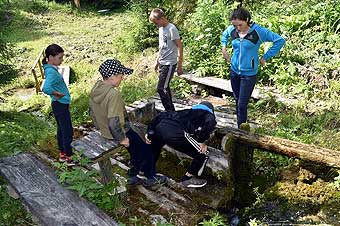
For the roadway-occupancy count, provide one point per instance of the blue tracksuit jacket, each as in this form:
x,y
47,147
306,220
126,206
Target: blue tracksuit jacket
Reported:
x,y
245,58
54,82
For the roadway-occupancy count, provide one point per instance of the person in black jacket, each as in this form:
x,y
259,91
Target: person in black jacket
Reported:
x,y
185,131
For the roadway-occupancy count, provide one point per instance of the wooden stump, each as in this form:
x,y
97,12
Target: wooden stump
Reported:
x,y
241,167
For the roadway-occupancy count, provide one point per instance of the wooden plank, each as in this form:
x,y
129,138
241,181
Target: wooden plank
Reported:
x,y
94,146
215,82
223,119
49,202
106,169
101,141
37,60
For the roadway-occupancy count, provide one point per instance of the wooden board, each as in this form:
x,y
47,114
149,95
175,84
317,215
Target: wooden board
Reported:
x,y
260,92
218,83
94,146
49,202
225,118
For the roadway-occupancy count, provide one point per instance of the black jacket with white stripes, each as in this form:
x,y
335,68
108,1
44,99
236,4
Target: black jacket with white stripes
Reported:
x,y
197,122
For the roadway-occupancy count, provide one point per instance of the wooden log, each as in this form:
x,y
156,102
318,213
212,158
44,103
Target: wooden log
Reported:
x,y
49,202
242,168
285,147
218,161
106,169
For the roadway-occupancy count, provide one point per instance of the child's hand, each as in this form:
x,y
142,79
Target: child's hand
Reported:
x,y
156,66
125,142
58,95
147,140
203,148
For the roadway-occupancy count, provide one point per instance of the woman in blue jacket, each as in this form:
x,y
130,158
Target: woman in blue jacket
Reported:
x,y
246,38
56,88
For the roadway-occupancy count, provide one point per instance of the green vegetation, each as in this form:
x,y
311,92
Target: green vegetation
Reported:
x,y
308,68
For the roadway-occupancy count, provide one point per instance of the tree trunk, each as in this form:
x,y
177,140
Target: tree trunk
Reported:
x,y
285,147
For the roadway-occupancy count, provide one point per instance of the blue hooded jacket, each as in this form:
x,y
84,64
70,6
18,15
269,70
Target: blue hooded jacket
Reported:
x,y
245,58
54,82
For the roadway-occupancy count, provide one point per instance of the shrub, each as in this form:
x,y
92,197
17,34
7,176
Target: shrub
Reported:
x,y
204,28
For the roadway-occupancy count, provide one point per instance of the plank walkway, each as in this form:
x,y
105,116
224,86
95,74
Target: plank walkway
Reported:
x,y
224,85
225,114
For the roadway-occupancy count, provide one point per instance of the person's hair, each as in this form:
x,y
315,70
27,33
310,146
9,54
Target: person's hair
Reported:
x,y
241,14
156,14
52,50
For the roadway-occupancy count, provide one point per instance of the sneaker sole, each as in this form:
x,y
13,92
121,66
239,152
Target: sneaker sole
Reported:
x,y
141,177
196,185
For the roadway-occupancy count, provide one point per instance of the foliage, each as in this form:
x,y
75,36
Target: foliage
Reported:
x,y
202,37
98,4
337,181
20,131
216,220
104,196
12,212
136,88
144,34
253,222
7,72
181,87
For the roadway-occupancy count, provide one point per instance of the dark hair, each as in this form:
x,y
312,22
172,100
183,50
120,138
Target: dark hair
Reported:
x,y
156,14
52,50
241,14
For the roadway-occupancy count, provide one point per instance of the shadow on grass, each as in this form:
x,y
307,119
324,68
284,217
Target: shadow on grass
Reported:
x,y
17,26
21,132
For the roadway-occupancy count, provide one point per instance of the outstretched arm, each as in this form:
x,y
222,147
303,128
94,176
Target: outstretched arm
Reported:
x,y
180,56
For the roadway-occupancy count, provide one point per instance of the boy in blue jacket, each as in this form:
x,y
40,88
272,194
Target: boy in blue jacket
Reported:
x,y
56,88
246,39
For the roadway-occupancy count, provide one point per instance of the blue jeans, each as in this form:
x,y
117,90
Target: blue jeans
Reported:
x,y
243,87
62,115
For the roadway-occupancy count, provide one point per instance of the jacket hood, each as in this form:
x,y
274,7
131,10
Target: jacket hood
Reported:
x,y
100,91
49,66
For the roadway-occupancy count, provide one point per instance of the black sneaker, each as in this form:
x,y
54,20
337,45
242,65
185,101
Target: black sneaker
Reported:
x,y
156,180
194,182
134,180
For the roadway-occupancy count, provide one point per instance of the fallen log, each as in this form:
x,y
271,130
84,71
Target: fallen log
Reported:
x,y
285,147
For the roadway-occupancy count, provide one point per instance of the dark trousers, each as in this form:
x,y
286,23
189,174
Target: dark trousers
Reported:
x,y
166,72
62,115
169,132
243,87
140,154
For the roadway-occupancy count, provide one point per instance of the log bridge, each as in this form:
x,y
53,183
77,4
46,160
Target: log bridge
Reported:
x,y
231,151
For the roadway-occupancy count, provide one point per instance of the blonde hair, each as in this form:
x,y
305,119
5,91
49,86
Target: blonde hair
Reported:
x,y
156,14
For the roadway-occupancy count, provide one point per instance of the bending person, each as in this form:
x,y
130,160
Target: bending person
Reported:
x,y
185,131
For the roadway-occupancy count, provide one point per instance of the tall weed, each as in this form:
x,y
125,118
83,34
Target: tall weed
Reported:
x,y
204,28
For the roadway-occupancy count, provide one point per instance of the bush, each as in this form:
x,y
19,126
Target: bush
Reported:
x,y
7,72
140,33
202,40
